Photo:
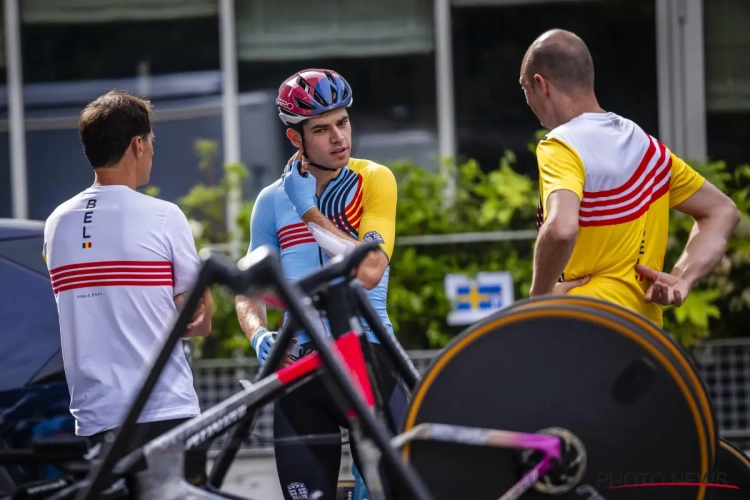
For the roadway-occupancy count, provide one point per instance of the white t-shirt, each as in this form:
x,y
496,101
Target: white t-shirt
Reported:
x,y
116,259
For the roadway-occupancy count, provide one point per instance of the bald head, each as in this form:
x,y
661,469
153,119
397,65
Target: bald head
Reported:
x,y
562,58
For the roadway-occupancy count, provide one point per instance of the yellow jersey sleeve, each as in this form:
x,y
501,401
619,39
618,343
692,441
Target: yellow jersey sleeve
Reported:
x,y
379,196
684,181
560,167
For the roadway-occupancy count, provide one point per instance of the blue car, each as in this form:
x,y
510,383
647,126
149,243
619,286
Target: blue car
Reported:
x,y
34,396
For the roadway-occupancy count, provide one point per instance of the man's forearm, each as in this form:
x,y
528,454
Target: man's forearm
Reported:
x,y
706,247
371,270
316,216
551,254
251,314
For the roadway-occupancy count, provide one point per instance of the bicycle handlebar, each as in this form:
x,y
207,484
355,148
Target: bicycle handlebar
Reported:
x,y
340,266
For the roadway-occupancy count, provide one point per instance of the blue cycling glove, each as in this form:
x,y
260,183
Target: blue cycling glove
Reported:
x,y
262,342
300,188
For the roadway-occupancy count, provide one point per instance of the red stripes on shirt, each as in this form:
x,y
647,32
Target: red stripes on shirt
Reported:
x,y
353,211
111,273
631,200
294,234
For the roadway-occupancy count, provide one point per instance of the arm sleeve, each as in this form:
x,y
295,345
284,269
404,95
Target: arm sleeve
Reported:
x,y
181,250
262,223
560,167
683,182
379,197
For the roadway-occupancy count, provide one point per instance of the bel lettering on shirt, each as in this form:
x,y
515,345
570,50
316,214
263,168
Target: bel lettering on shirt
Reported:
x,y
88,217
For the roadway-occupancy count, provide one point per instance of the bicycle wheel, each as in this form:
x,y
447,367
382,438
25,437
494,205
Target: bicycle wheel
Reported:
x,y
560,366
658,336
733,474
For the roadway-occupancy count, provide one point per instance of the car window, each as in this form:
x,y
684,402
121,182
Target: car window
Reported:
x,y
26,252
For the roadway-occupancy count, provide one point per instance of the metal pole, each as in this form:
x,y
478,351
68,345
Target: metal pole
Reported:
x,y
143,83
16,128
231,117
444,90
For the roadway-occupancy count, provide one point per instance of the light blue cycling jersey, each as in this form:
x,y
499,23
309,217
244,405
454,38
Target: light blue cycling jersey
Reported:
x,y
361,202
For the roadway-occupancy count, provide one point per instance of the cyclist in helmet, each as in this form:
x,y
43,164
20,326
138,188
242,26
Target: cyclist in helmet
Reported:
x,y
324,204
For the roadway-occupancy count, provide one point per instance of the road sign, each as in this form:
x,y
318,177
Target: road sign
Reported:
x,y
474,299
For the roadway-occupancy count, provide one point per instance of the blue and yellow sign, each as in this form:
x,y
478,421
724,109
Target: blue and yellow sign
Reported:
x,y
473,299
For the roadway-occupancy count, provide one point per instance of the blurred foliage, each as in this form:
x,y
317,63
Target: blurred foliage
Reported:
x,y
205,207
494,200
497,200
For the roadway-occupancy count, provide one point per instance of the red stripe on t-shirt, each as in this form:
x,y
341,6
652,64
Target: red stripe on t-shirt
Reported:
x,y
98,284
111,270
354,221
294,234
87,278
356,201
630,217
297,241
291,228
626,207
639,171
111,263
111,273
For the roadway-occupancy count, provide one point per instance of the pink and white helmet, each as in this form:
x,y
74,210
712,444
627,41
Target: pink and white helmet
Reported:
x,y
312,92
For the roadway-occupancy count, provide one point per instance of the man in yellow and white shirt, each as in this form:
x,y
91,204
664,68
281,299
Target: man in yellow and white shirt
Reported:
x,y
605,191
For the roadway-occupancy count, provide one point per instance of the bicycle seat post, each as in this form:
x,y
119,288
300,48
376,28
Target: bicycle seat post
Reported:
x,y
342,310
339,309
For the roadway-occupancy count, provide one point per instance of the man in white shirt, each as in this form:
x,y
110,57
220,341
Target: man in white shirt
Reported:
x,y
120,262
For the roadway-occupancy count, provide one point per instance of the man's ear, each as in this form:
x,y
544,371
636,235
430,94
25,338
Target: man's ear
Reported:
x,y
541,83
294,137
137,145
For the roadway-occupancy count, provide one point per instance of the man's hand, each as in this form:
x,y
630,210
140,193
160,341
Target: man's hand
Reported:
x,y
200,324
665,289
287,360
300,185
563,287
198,316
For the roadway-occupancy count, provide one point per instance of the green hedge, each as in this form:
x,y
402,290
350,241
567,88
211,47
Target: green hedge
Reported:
x,y
498,199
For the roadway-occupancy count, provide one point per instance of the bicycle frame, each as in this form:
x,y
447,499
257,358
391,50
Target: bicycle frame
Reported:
x,y
341,311
161,453
163,478
345,360
258,270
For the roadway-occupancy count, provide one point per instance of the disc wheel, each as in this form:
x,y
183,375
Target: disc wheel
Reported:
x,y
733,477
659,337
560,366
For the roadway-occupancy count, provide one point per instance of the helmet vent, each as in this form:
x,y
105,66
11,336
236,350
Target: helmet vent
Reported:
x,y
319,98
302,104
303,83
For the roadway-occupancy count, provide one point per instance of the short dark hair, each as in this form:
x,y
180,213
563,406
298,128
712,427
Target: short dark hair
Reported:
x,y
566,62
300,126
108,124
